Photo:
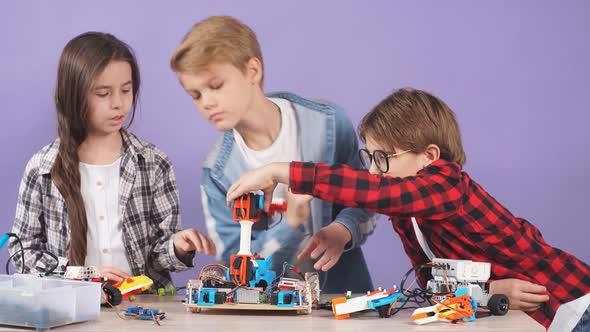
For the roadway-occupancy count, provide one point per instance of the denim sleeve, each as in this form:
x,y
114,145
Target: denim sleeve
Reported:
x,y
359,222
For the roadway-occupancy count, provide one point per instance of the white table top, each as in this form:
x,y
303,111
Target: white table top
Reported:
x,y
178,319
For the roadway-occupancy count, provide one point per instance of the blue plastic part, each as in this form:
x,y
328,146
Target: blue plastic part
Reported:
x,y
281,299
192,296
144,314
3,240
232,204
133,310
261,202
462,291
389,299
263,272
211,300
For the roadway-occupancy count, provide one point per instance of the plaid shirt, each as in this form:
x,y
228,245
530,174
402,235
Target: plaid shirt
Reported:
x,y
148,202
459,219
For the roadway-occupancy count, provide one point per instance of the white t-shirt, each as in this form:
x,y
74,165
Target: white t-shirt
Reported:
x,y
569,314
285,148
100,191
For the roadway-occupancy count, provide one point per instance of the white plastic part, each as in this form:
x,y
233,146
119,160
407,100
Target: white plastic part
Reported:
x,y
82,272
313,281
251,296
245,237
428,319
422,241
462,270
44,303
288,283
358,303
435,313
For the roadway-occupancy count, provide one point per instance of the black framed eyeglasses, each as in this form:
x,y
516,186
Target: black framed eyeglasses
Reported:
x,y
381,159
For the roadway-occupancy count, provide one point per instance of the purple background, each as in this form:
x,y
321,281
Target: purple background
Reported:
x,y
516,73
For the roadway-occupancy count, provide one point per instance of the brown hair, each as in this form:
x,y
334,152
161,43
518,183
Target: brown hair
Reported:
x,y
81,61
217,39
411,120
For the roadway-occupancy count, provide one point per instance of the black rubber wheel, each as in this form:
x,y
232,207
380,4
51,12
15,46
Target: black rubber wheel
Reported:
x,y
113,294
262,284
499,304
384,311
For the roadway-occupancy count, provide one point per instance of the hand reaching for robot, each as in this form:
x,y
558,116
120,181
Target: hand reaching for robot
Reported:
x,y
191,239
523,295
264,178
329,241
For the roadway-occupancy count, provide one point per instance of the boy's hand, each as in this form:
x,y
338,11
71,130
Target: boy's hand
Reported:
x,y
330,241
264,178
112,274
523,295
191,239
297,209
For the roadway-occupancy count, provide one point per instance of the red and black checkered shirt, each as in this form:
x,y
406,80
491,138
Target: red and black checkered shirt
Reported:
x,y
459,220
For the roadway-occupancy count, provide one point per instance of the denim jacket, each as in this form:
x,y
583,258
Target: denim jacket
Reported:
x,y
326,135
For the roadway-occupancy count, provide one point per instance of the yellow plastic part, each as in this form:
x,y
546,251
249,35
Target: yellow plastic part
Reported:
x,y
171,290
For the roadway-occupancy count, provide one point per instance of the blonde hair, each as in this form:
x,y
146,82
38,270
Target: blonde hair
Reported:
x,y
217,39
411,120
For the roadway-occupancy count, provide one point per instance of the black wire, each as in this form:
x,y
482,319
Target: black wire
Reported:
x,y
272,224
43,252
22,256
417,269
417,296
14,235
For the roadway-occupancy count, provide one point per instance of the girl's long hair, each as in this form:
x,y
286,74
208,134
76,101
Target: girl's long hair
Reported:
x,y
82,60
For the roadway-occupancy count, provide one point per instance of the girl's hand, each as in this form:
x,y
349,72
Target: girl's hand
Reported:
x,y
191,239
264,178
523,295
112,274
329,240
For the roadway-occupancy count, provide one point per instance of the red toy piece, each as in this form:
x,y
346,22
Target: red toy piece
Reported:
x,y
248,210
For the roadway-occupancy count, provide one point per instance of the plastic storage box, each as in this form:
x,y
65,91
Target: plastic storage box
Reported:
x,y
43,303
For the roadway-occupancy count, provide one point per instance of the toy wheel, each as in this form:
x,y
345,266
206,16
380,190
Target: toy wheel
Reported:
x,y
262,284
498,304
383,311
193,309
113,294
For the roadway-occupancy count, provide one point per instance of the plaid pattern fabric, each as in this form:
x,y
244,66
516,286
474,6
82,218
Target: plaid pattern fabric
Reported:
x,y
459,219
148,202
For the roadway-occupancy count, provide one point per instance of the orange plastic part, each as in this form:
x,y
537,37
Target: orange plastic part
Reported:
x,y
238,268
336,301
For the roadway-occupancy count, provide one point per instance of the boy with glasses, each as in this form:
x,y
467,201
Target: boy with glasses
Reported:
x,y
414,156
